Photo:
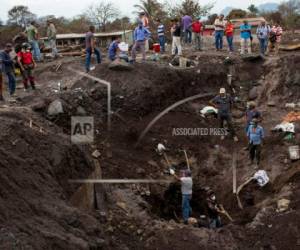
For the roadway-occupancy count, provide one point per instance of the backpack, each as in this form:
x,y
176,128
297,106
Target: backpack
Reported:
x,y
272,37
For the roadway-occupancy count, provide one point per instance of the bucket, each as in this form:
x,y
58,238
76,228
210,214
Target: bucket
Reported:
x,y
156,47
294,153
182,62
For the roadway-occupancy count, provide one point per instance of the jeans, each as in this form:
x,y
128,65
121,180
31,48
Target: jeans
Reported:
x,y
197,41
162,42
215,223
263,44
11,82
89,57
36,50
219,39
186,207
187,36
230,42
141,45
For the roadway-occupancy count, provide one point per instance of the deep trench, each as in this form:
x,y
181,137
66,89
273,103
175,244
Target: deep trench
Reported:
x,y
166,202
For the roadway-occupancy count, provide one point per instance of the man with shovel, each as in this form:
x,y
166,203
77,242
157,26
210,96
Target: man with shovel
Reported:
x,y
186,190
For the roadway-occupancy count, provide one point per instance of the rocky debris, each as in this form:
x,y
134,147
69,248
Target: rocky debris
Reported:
x,y
252,57
55,108
283,205
81,111
120,65
96,154
253,94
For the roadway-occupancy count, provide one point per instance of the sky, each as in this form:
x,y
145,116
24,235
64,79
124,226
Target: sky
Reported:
x,y
70,8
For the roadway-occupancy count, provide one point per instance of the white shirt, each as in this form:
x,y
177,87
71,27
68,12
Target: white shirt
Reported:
x,y
219,22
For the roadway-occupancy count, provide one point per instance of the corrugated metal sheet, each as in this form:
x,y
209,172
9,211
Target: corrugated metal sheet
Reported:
x,y
82,35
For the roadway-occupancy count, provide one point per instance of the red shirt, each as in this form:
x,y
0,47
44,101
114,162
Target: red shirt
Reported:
x,y
26,57
229,30
196,27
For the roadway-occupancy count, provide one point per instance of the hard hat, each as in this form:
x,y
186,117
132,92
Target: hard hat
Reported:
x,y
26,46
222,90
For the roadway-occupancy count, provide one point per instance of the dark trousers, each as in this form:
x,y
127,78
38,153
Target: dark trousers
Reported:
x,y
28,76
89,57
11,82
1,82
227,118
255,151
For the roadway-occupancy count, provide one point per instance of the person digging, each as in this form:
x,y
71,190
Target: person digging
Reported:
x,y
255,135
223,102
214,210
186,190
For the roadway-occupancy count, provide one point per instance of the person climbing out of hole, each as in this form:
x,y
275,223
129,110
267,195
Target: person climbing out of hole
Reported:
x,y
213,210
27,64
223,102
255,135
251,113
186,191
113,49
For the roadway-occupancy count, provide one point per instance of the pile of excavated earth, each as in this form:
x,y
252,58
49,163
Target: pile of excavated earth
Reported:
x,y
41,209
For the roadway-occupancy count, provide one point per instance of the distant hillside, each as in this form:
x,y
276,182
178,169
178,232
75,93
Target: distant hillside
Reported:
x,y
268,7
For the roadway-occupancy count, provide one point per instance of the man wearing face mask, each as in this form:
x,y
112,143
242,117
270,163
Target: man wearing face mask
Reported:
x,y
223,102
186,190
27,64
255,135
213,210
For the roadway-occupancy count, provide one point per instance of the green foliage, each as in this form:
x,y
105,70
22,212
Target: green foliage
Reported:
x,y
253,10
189,7
290,12
237,13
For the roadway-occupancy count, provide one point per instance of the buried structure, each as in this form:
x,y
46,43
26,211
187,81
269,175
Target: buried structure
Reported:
x,y
42,209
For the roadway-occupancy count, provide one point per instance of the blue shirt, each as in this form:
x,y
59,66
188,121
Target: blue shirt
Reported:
x,y
244,33
161,30
112,50
255,135
141,34
6,62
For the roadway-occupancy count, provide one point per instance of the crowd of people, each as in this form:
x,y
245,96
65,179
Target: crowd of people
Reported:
x,y
184,31
26,48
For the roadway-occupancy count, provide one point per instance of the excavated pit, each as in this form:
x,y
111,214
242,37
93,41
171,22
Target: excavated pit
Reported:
x,y
149,215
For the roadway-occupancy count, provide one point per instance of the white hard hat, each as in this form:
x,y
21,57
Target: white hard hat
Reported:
x,y
222,90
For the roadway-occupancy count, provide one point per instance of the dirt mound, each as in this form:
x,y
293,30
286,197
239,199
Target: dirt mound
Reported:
x,y
35,169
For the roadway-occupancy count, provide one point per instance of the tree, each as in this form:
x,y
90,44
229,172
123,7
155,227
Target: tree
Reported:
x,y
211,19
273,17
20,16
100,14
290,12
253,10
237,13
189,7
